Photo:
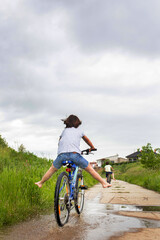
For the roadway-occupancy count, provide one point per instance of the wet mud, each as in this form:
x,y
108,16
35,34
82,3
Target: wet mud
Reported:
x,y
98,221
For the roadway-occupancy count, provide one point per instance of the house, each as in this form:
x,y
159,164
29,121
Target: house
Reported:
x,y
133,156
94,164
113,159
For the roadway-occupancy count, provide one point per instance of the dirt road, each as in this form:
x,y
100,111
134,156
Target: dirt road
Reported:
x,y
124,194
114,213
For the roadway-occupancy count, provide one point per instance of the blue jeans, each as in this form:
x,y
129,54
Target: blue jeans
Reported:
x,y
76,158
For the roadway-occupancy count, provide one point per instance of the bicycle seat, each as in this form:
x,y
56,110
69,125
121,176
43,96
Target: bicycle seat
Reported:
x,y
67,163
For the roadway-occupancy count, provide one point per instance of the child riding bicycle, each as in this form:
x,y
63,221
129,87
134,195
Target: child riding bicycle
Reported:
x,y
68,149
109,170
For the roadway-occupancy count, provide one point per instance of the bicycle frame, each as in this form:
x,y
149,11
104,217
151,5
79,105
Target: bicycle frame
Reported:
x,y
72,170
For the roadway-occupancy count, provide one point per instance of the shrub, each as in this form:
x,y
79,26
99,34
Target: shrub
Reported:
x,y
149,158
3,142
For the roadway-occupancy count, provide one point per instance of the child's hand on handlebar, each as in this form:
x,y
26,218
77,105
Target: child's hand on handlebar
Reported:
x,y
88,151
92,149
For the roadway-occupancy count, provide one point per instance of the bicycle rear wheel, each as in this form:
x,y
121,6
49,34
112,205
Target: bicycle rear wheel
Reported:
x,y
61,199
79,195
109,178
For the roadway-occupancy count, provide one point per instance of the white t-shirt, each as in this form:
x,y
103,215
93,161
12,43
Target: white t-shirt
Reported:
x,y
70,140
108,168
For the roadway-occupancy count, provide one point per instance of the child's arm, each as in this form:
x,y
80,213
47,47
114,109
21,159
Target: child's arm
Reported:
x,y
86,139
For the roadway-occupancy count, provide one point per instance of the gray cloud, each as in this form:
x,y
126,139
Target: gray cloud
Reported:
x,y
54,61
97,25
130,25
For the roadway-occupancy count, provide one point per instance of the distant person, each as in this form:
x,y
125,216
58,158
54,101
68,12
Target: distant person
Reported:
x,y
109,170
68,149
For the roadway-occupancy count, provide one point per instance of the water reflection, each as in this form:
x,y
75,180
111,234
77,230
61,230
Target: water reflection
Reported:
x,y
97,221
124,207
119,207
107,223
149,208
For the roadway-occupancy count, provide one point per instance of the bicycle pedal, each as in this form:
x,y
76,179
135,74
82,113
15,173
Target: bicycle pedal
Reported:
x,y
85,187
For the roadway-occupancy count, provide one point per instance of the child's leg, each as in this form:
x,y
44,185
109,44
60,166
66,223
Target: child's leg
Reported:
x,y
113,176
46,176
106,177
97,176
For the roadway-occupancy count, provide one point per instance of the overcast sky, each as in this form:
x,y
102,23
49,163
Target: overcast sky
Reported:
x,y
99,60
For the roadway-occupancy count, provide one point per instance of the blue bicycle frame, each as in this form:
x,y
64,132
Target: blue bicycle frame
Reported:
x,y
72,173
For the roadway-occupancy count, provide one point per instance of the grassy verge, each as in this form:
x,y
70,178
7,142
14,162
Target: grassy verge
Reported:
x,y
135,173
20,198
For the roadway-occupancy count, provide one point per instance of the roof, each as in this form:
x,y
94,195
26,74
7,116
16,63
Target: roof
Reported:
x,y
107,158
134,155
102,159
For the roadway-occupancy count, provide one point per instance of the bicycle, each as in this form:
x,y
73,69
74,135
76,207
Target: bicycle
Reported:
x,y
69,191
109,178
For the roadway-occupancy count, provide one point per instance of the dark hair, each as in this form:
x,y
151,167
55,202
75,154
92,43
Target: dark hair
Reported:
x,y
107,163
72,121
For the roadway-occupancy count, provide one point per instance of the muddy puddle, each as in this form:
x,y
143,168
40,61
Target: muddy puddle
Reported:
x,y
97,222
120,207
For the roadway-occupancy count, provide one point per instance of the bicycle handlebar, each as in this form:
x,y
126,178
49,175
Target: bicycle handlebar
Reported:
x,y
88,151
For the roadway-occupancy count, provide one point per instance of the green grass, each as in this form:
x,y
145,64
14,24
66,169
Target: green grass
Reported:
x,y
135,173
20,198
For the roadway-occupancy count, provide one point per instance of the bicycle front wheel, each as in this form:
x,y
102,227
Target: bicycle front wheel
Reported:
x,y
61,199
79,196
